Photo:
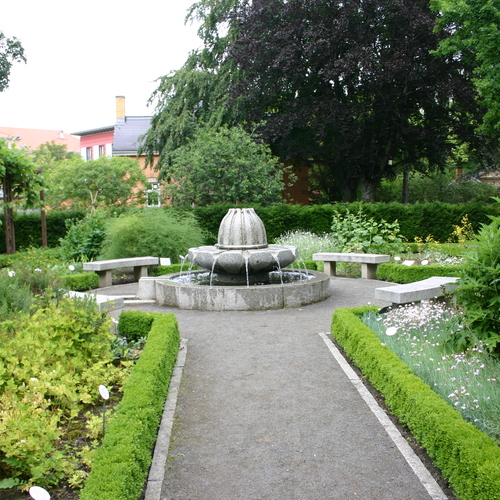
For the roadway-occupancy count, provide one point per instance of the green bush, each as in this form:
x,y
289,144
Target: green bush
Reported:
x,y
51,363
356,232
120,467
479,290
157,232
466,456
398,273
84,238
135,324
80,282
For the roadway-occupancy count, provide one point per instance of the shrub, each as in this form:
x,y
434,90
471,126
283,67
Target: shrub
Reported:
x,y
479,290
157,232
135,324
50,365
467,457
80,282
352,232
398,273
120,467
84,238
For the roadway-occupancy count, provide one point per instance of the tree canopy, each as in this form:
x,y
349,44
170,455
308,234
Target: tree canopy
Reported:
x,y
473,36
95,183
224,166
11,51
350,86
21,182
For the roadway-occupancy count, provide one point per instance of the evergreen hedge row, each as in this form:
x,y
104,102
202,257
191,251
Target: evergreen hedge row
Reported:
x,y
466,456
419,220
398,273
120,466
28,228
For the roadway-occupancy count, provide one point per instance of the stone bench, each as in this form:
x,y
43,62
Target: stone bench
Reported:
x,y
104,267
429,288
369,262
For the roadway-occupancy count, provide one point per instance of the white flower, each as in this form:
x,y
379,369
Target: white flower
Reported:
x,y
392,330
71,267
38,270
12,273
425,262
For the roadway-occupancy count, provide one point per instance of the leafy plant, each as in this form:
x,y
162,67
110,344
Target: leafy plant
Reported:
x,y
85,237
157,232
49,368
479,290
352,232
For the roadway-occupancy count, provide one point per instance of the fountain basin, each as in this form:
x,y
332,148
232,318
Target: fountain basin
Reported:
x,y
235,298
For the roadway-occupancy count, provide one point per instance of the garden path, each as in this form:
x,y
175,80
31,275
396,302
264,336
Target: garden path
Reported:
x,y
267,409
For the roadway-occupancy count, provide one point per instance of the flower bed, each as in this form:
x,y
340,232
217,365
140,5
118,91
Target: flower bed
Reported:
x,y
466,456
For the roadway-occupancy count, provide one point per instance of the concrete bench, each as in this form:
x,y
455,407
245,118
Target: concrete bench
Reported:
x,y
429,288
104,267
369,262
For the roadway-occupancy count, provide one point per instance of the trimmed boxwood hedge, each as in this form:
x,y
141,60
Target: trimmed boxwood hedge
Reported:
x,y
80,282
466,456
398,273
120,466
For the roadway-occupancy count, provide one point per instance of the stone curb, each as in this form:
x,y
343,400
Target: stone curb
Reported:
x,y
157,469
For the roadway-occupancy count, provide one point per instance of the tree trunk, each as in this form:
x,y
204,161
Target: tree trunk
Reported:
x,y
406,187
10,238
368,190
43,219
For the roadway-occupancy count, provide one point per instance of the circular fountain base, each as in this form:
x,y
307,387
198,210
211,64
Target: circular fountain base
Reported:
x,y
235,298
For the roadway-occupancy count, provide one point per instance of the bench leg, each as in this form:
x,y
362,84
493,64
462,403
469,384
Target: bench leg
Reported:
x,y
330,268
140,272
105,278
369,271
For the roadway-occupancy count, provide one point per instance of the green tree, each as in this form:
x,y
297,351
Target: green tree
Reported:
x,y
226,166
195,96
11,51
50,153
95,183
350,87
473,36
21,181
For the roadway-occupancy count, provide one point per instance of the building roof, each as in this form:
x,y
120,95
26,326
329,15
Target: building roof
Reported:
x,y
94,131
32,138
128,133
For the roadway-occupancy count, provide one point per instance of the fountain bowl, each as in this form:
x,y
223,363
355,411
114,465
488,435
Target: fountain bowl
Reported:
x,y
170,293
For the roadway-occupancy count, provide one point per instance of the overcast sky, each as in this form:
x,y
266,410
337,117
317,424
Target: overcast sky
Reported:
x,y
80,55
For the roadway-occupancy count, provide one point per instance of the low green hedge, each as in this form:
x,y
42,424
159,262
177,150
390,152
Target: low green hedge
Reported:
x,y
120,467
80,282
399,273
135,324
466,456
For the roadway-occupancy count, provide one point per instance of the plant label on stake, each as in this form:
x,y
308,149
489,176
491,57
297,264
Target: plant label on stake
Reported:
x,y
38,493
103,391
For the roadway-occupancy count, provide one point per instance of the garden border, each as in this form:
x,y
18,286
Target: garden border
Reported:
x,y
120,466
466,456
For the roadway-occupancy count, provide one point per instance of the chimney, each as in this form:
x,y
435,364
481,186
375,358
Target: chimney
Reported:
x,y
120,109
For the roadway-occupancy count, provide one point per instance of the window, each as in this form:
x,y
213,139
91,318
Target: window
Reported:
x,y
102,150
153,195
88,153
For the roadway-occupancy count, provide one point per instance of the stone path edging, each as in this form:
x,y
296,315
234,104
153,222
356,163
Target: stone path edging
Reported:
x,y
411,458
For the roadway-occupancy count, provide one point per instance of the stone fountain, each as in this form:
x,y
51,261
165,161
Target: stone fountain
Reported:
x,y
244,273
